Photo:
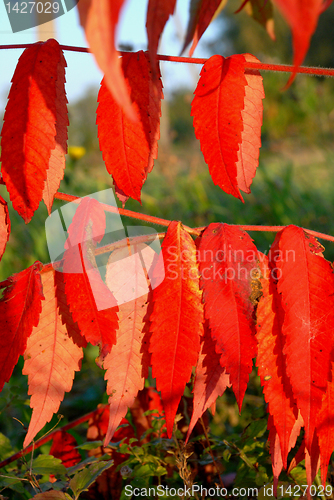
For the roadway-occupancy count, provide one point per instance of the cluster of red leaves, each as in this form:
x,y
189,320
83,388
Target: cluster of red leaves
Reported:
x,y
207,311
220,305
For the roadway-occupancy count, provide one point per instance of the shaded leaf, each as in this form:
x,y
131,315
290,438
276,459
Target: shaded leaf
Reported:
x,y
64,448
20,307
262,12
306,284
91,303
228,264
176,321
29,130
129,148
51,358
271,363
99,19
227,111
46,464
158,12
127,363
211,379
202,12
83,479
302,16
55,172
325,426
4,226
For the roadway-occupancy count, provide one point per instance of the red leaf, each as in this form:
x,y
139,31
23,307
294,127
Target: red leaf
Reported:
x,y
29,130
64,447
64,311
325,428
202,12
4,226
158,12
99,19
271,361
51,358
211,379
91,303
227,111
275,452
129,148
312,464
275,447
20,307
248,153
127,364
302,16
227,263
176,321
306,283
55,172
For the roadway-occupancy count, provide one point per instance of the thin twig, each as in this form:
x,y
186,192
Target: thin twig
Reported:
x,y
48,437
211,453
285,68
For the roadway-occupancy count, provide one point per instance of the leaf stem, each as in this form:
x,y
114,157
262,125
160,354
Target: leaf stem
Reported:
x,y
285,68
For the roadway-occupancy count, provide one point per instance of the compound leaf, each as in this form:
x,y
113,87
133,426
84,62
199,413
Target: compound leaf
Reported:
x,y
29,129
227,111
20,307
228,269
51,358
176,321
129,148
306,284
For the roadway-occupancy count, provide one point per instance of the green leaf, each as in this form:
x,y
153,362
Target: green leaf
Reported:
x,y
84,463
6,449
91,445
47,464
83,479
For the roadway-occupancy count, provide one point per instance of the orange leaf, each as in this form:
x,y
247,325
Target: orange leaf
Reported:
x,y
271,361
302,16
202,12
228,265
91,303
176,321
275,447
20,307
4,226
158,12
55,172
227,111
306,284
29,130
99,19
211,379
51,358
129,148
248,153
127,364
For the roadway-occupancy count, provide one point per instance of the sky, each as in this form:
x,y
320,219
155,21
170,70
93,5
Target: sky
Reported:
x,y
82,71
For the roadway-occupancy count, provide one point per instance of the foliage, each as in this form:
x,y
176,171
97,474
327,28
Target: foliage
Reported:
x,y
215,303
